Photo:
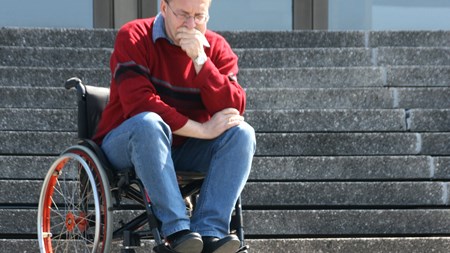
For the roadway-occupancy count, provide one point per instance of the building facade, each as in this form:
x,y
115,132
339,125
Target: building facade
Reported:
x,y
232,15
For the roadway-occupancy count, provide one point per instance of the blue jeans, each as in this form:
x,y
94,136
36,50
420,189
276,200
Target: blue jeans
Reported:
x,y
143,142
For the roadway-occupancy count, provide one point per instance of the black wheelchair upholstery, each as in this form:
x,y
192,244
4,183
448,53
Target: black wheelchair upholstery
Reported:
x,y
115,189
91,103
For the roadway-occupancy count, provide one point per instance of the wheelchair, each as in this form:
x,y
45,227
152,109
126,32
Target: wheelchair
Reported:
x,y
83,201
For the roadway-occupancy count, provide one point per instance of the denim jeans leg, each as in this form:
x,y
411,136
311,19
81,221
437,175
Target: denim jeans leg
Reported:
x,y
143,142
227,161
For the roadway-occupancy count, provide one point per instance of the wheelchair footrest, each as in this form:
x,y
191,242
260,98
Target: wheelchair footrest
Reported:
x,y
243,249
130,241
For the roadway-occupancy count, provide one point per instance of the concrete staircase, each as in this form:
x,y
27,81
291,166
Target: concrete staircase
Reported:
x,y
353,132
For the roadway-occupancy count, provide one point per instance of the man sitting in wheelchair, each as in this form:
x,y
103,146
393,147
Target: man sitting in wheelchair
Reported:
x,y
176,105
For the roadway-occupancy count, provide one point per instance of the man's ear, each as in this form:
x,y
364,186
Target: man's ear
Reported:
x,y
163,8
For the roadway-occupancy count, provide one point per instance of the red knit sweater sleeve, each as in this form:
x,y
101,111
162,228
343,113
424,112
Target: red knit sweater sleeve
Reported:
x,y
130,65
218,78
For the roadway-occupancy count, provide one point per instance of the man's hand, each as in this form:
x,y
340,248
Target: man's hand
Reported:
x,y
222,121
219,123
192,42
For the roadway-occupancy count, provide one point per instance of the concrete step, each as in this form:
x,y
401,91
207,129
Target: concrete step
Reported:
x,y
248,58
342,77
354,98
296,223
295,245
51,76
418,76
43,37
311,39
346,245
265,98
302,168
298,195
314,120
35,143
55,57
37,97
269,144
281,169
348,222
327,120
294,195
341,144
49,37
408,38
344,120
339,57
412,56
21,167
38,119
350,168
23,119
323,77
299,57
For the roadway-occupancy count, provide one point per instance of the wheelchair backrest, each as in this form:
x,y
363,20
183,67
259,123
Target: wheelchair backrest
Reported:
x,y
91,103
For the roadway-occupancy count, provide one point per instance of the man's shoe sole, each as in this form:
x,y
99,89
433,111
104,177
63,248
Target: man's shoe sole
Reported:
x,y
228,247
231,246
190,245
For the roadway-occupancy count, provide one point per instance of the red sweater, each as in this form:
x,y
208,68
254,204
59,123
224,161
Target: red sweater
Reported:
x,y
159,77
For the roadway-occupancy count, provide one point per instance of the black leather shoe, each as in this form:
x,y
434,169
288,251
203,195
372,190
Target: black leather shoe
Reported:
x,y
228,244
188,243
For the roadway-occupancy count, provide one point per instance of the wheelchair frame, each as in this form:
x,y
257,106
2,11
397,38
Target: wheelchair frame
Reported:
x,y
76,202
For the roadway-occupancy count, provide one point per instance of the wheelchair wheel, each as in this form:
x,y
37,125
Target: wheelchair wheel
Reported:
x,y
75,213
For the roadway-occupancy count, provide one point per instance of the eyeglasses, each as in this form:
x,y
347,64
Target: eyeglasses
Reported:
x,y
199,19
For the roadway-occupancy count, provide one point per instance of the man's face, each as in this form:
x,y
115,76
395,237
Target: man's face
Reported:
x,y
176,13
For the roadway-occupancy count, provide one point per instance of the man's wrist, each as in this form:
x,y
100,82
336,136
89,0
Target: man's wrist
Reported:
x,y
201,59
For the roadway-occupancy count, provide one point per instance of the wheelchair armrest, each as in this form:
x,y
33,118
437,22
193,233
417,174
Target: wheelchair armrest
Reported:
x,y
76,83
